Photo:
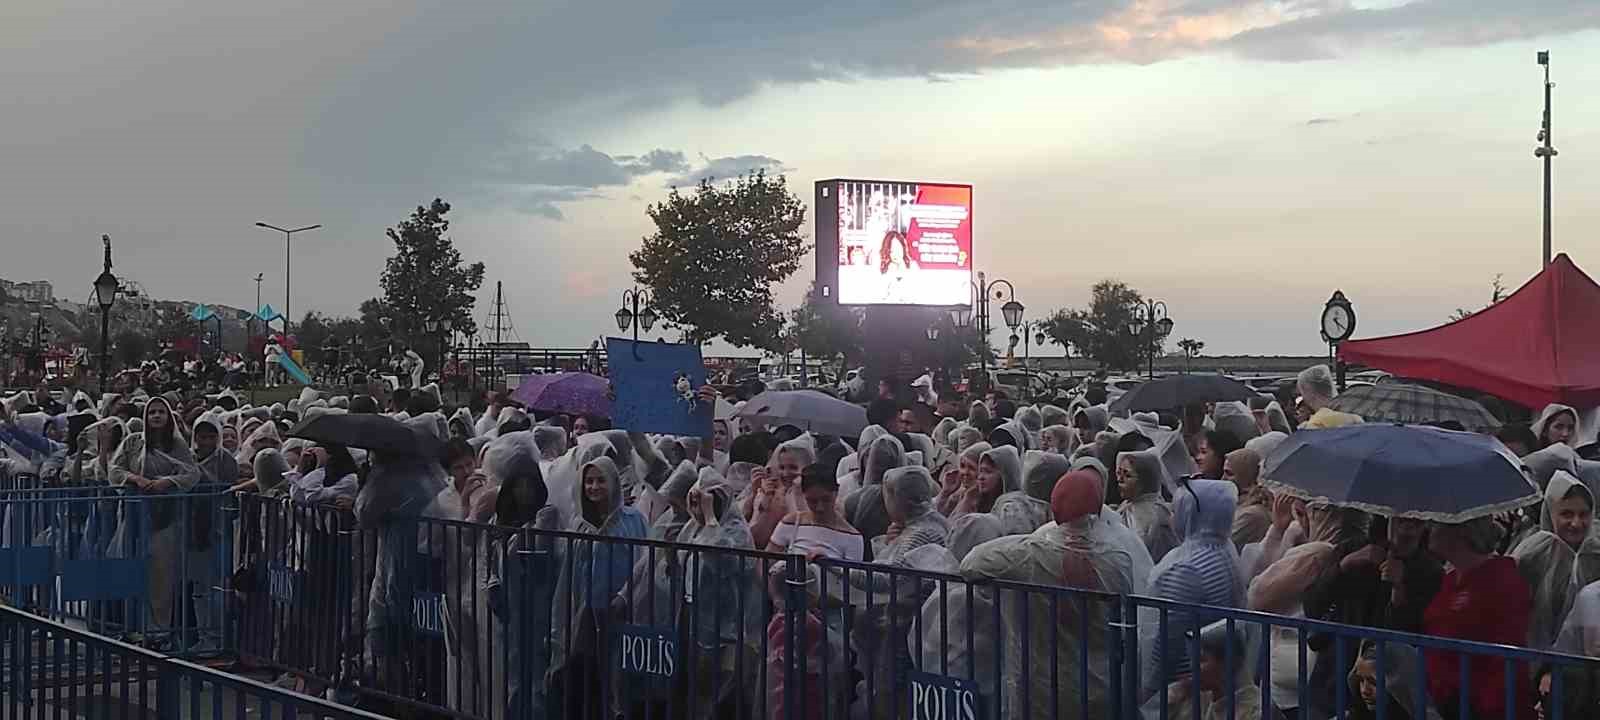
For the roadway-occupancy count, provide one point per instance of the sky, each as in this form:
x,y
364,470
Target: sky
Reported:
x,y
1238,159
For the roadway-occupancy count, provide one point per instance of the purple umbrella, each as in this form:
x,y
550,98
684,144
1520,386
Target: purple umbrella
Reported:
x,y
574,393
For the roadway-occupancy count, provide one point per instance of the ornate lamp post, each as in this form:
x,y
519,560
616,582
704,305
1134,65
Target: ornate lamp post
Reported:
x,y
105,295
632,316
1150,317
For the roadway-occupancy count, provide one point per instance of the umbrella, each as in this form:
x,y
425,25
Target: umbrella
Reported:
x,y
379,433
574,393
808,410
1414,404
1401,471
1175,391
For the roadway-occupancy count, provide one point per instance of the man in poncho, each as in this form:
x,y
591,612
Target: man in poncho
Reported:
x,y
1073,552
1022,512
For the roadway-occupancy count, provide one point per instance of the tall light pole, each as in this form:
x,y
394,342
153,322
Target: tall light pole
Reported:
x,y
255,310
631,315
1011,312
105,294
1547,151
287,235
1150,317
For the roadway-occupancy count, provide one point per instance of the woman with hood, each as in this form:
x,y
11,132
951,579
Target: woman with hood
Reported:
x,y
979,417
1202,570
712,592
522,575
879,631
851,468
591,575
775,490
675,494
96,444
864,509
1558,424
265,435
960,478
1089,422
1032,422
1058,439
1224,683
999,472
1400,684
963,437
1253,517
1561,558
155,462
551,440
1072,552
1140,477
1025,510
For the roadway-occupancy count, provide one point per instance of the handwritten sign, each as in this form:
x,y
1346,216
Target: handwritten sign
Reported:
x,y
937,697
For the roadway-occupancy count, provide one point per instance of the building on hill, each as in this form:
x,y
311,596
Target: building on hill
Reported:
x,y
37,291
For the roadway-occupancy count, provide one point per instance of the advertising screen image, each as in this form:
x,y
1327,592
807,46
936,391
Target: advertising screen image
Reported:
x,y
904,243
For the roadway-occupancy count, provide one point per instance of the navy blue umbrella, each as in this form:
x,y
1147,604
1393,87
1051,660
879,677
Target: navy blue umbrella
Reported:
x,y
1401,471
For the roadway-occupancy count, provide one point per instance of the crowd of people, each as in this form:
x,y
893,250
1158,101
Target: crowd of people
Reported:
x,y
1168,506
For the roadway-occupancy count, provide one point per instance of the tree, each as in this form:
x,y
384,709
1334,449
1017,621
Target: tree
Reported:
x,y
131,348
426,280
715,254
1100,332
824,330
1191,348
1497,292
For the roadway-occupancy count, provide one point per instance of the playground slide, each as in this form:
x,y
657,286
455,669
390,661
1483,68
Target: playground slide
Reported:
x,y
294,370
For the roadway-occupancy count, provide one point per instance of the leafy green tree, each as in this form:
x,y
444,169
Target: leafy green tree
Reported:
x,y
824,330
1100,331
426,279
715,255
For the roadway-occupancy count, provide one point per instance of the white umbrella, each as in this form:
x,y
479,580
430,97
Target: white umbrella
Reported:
x,y
808,410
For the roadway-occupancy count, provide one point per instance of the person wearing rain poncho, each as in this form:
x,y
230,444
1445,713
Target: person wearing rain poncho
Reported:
x,y
852,467
1025,510
1224,683
591,575
960,478
1561,558
864,508
1140,478
675,493
999,472
879,630
1058,439
1253,516
1557,424
155,462
1400,684
774,490
398,487
1072,552
712,592
522,576
1089,422
1202,570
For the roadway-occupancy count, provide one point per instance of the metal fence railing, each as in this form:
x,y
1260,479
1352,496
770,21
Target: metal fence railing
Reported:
x,y
50,670
466,620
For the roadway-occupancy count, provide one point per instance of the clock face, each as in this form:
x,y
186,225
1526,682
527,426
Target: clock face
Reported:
x,y
1337,322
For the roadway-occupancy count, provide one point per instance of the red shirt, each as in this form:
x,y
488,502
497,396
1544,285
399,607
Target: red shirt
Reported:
x,y
1491,604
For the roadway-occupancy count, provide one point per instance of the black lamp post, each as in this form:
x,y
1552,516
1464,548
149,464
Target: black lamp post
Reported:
x,y
1150,317
632,316
105,295
1011,312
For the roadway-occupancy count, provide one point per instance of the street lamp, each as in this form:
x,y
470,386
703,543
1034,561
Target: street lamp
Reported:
x,y
287,235
1150,317
1011,312
632,316
105,295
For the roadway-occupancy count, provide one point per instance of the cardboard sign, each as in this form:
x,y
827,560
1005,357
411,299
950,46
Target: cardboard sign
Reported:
x,y
655,385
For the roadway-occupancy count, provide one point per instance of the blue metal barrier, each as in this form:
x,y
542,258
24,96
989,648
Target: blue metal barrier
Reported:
x,y
94,558
50,670
474,621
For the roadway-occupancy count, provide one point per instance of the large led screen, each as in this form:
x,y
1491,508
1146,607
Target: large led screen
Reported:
x,y
898,243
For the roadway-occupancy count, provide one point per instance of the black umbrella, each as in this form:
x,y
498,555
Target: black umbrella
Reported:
x,y
1175,391
378,433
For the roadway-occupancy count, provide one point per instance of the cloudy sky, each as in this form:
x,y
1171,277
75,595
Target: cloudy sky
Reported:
x,y
1239,159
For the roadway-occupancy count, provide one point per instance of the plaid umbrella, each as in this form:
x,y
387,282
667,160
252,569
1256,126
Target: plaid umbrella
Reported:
x,y
574,393
1414,405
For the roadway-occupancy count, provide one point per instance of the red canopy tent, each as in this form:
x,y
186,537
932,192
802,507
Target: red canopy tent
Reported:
x,y
1538,346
